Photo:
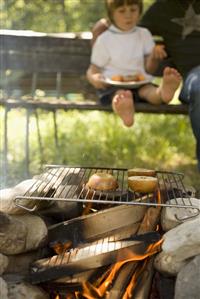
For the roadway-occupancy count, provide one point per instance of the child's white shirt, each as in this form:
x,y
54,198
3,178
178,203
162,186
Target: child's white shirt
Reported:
x,y
122,53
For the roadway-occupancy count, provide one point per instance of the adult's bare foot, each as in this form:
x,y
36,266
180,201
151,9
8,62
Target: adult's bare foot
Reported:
x,y
170,83
123,105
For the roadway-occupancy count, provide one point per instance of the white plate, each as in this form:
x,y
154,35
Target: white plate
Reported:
x,y
130,84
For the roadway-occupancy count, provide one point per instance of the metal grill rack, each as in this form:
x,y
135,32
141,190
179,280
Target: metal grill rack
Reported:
x,y
61,182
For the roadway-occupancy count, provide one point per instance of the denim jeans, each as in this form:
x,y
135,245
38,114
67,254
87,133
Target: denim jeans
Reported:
x,y
190,94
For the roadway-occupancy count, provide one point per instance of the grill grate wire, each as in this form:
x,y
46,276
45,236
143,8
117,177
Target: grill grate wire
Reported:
x,y
64,183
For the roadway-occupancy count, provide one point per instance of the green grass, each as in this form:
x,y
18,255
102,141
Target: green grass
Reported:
x,y
95,138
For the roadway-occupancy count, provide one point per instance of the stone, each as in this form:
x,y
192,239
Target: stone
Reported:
x,y
36,231
33,186
22,233
180,244
20,263
25,290
172,216
3,289
3,263
188,280
12,236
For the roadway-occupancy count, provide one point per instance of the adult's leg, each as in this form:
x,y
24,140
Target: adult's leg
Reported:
x,y
190,94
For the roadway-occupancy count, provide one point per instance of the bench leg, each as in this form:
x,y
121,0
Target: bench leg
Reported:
x,y
27,172
55,131
39,138
5,149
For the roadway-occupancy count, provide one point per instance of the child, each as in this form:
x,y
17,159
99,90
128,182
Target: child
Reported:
x,y
125,49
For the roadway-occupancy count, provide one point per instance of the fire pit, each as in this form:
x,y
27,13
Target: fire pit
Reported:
x,y
107,250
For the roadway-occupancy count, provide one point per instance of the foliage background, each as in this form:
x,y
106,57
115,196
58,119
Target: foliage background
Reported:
x,y
52,15
90,138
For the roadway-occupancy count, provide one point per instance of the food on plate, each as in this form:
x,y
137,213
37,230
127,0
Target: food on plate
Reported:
x,y
141,172
143,184
117,78
129,78
137,78
102,181
140,77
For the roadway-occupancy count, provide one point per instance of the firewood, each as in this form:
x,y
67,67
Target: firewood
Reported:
x,y
150,220
143,286
123,220
86,258
122,280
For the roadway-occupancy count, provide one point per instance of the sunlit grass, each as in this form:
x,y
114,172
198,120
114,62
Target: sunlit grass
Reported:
x,y
99,139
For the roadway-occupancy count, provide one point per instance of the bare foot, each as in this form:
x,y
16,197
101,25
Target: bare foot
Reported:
x,y
123,105
170,83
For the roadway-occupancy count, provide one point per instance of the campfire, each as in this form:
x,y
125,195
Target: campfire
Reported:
x,y
98,244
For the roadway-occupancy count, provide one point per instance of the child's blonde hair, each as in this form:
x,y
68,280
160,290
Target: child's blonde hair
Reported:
x,y
111,5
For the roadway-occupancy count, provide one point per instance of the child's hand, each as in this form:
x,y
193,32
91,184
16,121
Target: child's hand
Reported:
x,y
159,52
97,81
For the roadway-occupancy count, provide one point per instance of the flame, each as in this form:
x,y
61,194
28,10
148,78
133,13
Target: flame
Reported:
x,y
89,291
134,279
140,269
92,292
69,296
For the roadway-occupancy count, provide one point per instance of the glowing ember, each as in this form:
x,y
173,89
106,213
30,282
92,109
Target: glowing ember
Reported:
x,y
158,197
60,248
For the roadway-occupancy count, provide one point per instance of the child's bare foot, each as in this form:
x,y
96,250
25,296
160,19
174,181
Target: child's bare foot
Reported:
x,y
123,105
170,83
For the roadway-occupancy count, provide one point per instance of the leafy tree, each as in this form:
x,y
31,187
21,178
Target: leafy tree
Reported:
x,y
52,15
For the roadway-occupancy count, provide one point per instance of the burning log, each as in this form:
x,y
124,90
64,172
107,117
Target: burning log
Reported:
x,y
77,279
151,218
140,285
89,257
119,286
122,220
